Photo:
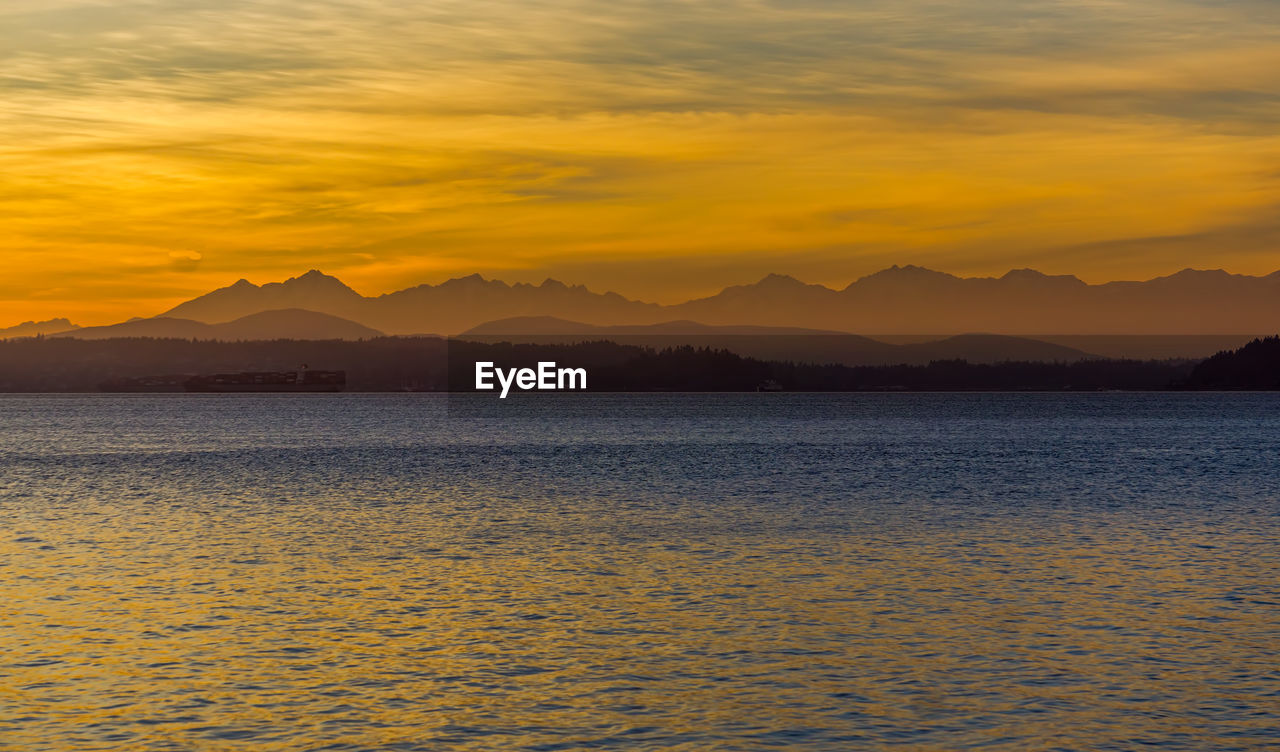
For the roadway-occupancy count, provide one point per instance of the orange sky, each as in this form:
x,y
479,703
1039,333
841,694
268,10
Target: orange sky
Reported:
x,y
151,150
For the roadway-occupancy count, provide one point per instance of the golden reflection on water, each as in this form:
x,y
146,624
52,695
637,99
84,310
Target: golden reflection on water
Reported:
x,y
715,572
202,627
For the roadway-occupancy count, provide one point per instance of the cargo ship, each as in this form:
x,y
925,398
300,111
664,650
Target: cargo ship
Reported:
x,y
301,380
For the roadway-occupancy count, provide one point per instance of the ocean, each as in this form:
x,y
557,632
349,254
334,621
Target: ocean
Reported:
x,y
640,572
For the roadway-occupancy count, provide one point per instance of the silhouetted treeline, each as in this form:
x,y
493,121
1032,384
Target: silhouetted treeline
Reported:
x,y
1254,366
430,363
56,364
615,367
704,370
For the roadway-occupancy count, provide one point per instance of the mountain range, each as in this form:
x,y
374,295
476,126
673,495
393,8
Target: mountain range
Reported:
x,y
290,323
898,300
37,328
913,314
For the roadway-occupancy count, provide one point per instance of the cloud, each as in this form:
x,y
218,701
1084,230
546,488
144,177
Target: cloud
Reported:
x,y
574,56
184,261
388,139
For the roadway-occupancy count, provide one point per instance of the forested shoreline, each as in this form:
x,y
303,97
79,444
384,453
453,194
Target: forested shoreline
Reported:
x,y
389,364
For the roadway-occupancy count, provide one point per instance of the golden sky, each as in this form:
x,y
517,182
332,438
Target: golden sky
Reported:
x,y
151,150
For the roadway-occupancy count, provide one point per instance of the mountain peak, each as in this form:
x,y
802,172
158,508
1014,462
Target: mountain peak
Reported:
x,y
314,282
903,274
1196,277
1033,275
473,278
314,290
780,281
1189,272
314,277
909,270
1027,273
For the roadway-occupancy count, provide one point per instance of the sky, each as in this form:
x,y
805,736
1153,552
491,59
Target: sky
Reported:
x,y
152,150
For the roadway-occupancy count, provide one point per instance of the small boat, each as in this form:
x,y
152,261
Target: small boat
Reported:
x,y
769,385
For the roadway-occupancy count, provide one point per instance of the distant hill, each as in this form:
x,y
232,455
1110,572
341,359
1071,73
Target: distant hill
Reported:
x,y
289,323
778,343
1130,346
992,348
898,300
1254,366
545,325
37,328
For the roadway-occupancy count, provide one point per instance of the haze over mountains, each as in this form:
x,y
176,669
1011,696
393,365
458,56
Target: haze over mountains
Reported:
x,y
37,328
290,323
914,315
780,343
898,300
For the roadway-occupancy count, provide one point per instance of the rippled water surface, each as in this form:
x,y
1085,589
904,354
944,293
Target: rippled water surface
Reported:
x,y
711,572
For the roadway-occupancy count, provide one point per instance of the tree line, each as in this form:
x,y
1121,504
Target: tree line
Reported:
x,y
435,364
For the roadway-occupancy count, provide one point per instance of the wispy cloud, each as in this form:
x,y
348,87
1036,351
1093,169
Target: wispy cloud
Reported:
x,y
392,141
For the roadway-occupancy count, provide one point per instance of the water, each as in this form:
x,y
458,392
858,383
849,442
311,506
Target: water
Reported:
x,y
634,572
